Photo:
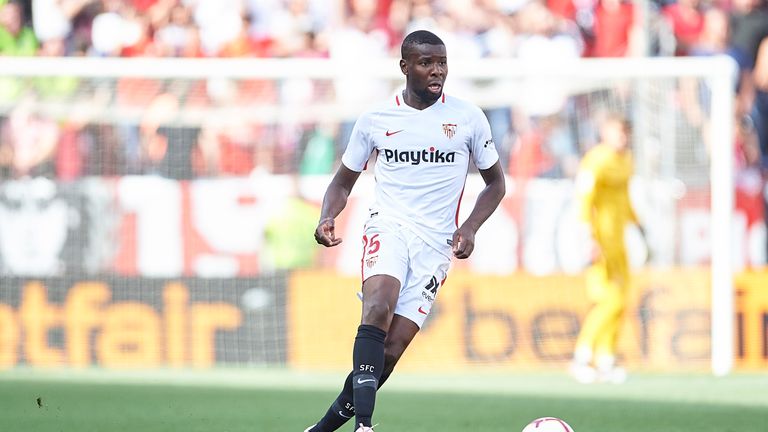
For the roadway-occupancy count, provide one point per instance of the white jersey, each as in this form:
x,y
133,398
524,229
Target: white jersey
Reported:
x,y
422,161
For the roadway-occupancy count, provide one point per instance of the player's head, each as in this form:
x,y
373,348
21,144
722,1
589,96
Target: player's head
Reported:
x,y
616,131
425,64
11,16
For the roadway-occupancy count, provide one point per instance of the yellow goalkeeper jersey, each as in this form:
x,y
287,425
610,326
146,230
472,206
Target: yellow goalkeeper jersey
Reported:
x,y
603,191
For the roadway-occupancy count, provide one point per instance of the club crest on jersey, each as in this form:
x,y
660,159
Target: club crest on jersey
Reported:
x,y
371,261
449,129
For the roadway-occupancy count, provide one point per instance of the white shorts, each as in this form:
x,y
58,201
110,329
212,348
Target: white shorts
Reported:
x,y
393,249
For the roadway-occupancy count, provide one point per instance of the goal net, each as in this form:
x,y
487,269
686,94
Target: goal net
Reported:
x,y
159,213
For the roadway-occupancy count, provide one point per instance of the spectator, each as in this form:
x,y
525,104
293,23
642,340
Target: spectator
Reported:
x,y
695,97
177,35
32,139
617,29
16,39
422,16
108,30
226,149
166,145
52,19
543,41
398,20
157,11
219,21
56,86
565,9
287,247
533,30
687,21
103,151
760,118
288,27
138,41
319,155
358,39
242,45
759,114
749,26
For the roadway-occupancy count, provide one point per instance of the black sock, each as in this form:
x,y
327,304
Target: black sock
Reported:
x,y
340,411
368,364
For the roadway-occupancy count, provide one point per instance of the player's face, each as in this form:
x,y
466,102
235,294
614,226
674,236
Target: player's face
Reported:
x,y
616,134
426,67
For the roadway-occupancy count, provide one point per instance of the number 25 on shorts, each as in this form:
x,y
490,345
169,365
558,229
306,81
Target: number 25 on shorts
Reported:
x,y
371,246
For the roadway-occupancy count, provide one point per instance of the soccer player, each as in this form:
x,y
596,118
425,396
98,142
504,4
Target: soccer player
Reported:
x,y
603,191
424,142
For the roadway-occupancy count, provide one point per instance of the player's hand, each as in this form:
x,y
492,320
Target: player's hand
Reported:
x,y
463,242
325,233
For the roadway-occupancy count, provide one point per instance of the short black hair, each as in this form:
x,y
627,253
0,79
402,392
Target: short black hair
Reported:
x,y
419,37
618,117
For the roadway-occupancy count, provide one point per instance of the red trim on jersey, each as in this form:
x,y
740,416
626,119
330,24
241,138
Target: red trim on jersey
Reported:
x,y
458,206
397,100
362,258
443,97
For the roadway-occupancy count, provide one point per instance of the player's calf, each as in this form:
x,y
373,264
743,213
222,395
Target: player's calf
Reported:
x,y
368,361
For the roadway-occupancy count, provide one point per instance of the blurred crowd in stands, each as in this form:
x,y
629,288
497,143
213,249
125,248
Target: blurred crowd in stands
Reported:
x,y
535,142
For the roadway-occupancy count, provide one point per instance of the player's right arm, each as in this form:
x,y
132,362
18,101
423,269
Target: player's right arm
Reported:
x,y
353,162
586,188
333,203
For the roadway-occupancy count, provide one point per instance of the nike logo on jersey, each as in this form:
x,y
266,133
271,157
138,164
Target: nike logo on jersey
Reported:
x,y
388,133
363,381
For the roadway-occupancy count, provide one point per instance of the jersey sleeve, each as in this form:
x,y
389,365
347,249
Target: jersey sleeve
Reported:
x,y
483,150
360,145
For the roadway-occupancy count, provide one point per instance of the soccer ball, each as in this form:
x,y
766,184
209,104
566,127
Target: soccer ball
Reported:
x,y
548,424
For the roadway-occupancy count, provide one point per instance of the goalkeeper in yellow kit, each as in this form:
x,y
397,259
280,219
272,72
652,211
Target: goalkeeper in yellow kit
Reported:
x,y
603,196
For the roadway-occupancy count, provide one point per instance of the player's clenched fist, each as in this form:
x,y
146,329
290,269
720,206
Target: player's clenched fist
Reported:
x,y
325,233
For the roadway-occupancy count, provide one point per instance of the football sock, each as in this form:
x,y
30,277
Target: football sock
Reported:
x,y
582,355
340,411
368,363
605,362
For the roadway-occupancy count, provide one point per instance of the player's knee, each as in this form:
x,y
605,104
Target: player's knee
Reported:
x,y
377,314
615,308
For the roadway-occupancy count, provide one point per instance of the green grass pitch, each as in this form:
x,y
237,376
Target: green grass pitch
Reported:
x,y
279,400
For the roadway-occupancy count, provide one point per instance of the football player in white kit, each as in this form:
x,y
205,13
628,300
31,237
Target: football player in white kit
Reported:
x,y
424,142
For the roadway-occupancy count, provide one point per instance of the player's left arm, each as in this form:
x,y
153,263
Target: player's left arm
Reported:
x,y
486,204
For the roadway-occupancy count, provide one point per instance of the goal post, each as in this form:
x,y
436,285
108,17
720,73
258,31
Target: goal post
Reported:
x,y
722,184
242,129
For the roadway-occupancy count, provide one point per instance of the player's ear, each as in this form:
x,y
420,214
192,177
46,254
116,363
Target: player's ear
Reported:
x,y
403,67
